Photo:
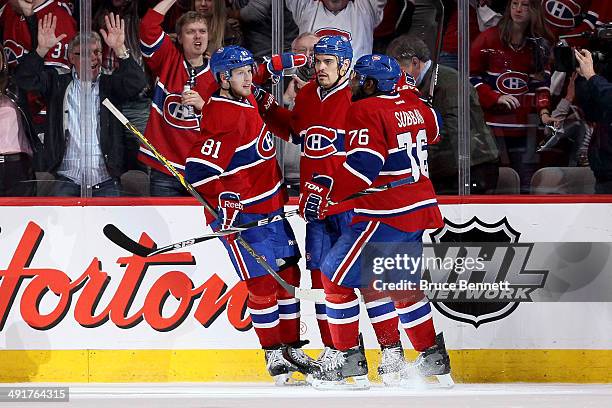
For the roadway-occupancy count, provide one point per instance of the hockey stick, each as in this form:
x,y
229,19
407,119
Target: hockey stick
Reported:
x,y
118,237
315,295
434,66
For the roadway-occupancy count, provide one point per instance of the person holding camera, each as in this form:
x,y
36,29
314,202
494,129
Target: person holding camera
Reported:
x,y
594,95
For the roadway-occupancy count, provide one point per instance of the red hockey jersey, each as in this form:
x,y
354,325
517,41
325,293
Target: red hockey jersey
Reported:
x,y
318,125
561,16
17,40
496,69
170,128
236,153
387,139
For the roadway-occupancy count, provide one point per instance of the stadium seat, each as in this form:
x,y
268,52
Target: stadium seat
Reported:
x,y
135,183
508,182
563,180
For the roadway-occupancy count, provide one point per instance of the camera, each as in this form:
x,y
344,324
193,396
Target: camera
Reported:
x,y
600,45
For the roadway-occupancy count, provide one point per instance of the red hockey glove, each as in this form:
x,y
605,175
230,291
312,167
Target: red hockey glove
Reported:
x,y
265,100
314,200
277,63
229,208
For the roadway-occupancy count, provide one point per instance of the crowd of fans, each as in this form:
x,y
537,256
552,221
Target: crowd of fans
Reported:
x,y
533,104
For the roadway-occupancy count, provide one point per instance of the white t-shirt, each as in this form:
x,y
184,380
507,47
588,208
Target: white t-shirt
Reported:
x,y
356,22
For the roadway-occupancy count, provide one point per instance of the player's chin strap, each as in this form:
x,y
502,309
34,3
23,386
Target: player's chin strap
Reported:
x,y
315,295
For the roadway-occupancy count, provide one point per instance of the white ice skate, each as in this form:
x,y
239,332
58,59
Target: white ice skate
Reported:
x,y
281,370
433,362
342,370
391,365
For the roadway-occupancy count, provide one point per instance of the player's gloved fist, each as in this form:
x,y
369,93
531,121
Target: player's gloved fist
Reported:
x,y
265,100
314,200
277,63
229,208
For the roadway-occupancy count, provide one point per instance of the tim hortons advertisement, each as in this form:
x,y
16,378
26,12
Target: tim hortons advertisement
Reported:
x,y
65,285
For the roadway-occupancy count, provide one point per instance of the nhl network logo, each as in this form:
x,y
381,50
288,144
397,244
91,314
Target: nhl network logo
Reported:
x,y
505,261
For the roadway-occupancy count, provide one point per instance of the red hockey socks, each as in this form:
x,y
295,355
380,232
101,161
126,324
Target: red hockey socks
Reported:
x,y
416,318
289,306
320,310
263,308
342,308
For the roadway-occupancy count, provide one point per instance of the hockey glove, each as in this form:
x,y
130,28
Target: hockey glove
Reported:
x,y
277,63
229,208
314,200
265,100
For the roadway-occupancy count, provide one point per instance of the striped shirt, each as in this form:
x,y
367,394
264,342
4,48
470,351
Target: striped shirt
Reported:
x,y
81,155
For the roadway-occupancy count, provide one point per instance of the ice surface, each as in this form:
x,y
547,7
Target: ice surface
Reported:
x,y
258,395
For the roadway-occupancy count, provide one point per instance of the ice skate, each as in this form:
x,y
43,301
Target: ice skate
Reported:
x,y
293,354
280,369
342,370
432,362
391,364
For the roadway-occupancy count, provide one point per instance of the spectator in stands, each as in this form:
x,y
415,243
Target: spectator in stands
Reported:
x,y
16,172
397,20
221,29
18,19
354,20
303,44
414,57
64,141
594,94
508,67
481,17
184,83
136,109
255,18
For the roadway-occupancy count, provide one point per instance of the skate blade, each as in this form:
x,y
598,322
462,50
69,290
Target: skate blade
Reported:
x,y
292,379
445,381
359,382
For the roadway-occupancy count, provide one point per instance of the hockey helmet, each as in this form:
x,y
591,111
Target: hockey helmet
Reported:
x,y
334,45
225,59
385,70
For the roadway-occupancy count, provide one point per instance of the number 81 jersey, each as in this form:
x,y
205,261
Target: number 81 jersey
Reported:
x,y
387,141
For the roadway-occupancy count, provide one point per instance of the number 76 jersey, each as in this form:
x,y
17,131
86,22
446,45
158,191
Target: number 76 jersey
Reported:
x,y
387,141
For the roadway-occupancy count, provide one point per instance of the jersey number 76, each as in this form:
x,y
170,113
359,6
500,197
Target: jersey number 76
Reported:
x,y
416,149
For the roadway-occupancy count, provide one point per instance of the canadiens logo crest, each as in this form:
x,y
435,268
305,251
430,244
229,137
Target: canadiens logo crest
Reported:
x,y
12,52
513,83
333,31
319,142
477,231
176,114
265,145
561,13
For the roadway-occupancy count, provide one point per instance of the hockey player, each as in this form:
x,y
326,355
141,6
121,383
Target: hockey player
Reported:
x,y
387,140
184,83
234,164
318,123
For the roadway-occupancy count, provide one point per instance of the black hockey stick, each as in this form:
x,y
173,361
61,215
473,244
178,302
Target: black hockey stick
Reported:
x,y
439,5
315,295
118,237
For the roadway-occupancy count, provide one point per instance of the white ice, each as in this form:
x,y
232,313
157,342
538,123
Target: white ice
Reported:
x,y
258,395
